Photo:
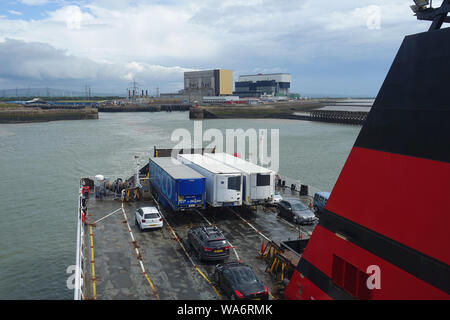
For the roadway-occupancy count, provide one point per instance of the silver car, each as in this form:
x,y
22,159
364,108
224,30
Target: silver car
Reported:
x,y
296,211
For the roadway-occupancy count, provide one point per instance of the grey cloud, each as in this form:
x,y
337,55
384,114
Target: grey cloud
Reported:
x,y
38,63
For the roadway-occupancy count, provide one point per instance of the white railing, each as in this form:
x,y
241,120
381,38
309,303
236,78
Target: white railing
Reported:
x,y
78,290
289,181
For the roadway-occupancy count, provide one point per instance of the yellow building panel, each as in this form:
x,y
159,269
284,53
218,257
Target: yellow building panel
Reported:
x,y
226,82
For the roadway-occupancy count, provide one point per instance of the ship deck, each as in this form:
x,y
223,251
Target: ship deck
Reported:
x,y
121,263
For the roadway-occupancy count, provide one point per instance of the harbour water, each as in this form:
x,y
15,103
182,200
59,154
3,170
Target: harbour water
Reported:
x,y
41,164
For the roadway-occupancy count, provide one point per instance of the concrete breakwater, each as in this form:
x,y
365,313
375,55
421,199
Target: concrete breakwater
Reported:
x,y
145,108
313,111
19,115
277,111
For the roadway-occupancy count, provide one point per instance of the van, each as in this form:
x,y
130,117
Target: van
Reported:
x,y
320,200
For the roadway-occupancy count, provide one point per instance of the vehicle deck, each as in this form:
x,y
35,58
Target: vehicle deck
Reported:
x,y
124,263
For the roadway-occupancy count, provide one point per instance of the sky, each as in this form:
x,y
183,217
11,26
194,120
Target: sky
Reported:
x,y
329,47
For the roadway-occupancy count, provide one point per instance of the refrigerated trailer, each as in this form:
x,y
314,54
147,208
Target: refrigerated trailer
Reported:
x,y
177,185
223,183
258,183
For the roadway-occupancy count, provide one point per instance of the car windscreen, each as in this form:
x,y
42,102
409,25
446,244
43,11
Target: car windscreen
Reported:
x,y
262,180
217,243
243,275
298,206
234,183
151,216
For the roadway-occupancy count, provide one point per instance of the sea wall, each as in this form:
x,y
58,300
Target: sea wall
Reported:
x,y
144,108
38,115
275,111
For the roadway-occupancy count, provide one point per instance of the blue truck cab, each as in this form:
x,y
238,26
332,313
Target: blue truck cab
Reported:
x,y
176,185
320,200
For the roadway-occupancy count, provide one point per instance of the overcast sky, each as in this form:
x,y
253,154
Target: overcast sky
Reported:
x,y
330,47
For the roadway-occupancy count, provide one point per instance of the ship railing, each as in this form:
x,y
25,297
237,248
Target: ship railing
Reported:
x,y
78,288
296,187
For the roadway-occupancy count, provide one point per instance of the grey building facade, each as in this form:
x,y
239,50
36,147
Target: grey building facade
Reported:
x,y
276,84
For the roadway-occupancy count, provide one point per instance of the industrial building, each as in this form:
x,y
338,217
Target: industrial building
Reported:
x,y
208,83
275,84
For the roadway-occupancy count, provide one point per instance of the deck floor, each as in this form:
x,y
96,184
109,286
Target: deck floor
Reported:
x,y
118,272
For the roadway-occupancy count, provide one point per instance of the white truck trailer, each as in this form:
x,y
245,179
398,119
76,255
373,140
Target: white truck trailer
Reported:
x,y
223,183
259,182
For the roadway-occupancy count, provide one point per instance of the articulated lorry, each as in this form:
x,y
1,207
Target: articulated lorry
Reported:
x,y
176,185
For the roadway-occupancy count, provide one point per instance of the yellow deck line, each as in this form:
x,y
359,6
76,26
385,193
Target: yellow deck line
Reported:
x,y
94,289
153,287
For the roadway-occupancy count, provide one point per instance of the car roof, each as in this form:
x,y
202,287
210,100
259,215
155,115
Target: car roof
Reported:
x,y
213,233
149,210
293,201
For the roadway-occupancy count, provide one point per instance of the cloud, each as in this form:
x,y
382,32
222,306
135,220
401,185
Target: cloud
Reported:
x,y
14,12
34,2
34,63
295,36
72,16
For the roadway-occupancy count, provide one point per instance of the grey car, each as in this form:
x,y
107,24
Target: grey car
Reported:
x,y
296,211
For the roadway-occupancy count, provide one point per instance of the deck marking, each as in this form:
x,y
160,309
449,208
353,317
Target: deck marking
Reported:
x,y
250,225
190,259
107,215
94,289
257,231
298,228
185,251
139,257
233,247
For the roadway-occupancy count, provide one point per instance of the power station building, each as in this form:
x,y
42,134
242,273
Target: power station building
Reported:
x,y
208,83
276,84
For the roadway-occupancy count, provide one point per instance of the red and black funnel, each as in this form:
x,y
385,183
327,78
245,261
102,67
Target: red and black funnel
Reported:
x,y
390,206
